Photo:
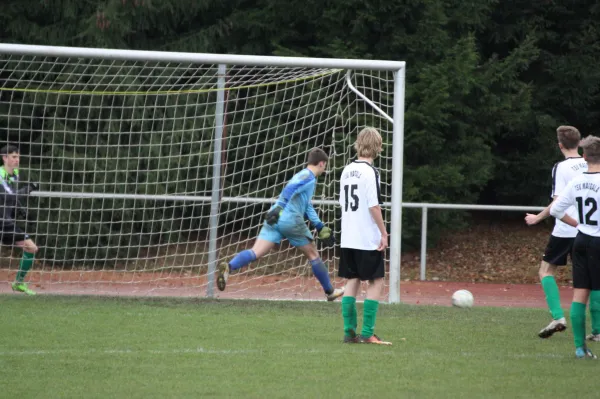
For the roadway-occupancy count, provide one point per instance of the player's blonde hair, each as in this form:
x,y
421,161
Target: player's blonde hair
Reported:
x,y
368,143
568,136
591,149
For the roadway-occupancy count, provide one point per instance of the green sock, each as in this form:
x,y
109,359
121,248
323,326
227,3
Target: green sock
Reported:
x,y
595,311
578,323
369,316
349,315
552,297
24,266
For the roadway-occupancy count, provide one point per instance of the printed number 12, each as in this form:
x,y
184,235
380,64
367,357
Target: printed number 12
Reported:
x,y
591,202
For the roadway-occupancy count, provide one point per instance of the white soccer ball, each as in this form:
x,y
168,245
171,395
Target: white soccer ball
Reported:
x,y
462,299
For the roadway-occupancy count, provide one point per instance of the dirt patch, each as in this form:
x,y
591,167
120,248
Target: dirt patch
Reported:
x,y
273,288
505,256
506,252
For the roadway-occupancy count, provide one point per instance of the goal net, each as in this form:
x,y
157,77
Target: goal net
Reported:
x,y
154,170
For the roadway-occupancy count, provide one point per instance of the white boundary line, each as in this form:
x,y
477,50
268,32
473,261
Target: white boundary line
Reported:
x,y
207,351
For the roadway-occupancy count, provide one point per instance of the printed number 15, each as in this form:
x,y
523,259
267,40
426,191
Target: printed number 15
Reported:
x,y
354,204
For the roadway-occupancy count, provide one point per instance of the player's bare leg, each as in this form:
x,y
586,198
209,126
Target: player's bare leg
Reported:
x,y
352,287
259,249
558,323
320,271
27,246
371,306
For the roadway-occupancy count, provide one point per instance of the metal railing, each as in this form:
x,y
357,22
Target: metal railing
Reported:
x,y
419,205
425,206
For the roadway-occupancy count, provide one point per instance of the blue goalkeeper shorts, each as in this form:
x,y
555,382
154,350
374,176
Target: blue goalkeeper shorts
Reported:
x,y
295,231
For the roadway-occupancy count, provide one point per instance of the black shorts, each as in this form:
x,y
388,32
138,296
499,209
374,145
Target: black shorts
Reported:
x,y
586,262
361,264
557,250
11,234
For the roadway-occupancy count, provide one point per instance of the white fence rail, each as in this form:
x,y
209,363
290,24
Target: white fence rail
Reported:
x,y
425,206
418,205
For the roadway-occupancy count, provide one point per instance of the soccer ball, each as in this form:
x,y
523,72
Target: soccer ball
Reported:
x,y
462,299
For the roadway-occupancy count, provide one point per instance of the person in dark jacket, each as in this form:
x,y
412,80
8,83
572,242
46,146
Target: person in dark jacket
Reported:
x,y
11,204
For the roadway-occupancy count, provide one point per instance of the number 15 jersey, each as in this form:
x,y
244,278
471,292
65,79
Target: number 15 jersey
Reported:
x,y
359,191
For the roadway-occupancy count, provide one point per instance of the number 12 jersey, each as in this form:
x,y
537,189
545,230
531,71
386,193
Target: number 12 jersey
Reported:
x,y
359,191
583,192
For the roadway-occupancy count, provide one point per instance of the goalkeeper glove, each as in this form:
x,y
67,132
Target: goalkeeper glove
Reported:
x,y
326,236
28,188
273,215
34,187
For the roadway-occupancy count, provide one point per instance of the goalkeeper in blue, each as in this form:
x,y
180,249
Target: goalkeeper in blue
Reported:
x,y
286,219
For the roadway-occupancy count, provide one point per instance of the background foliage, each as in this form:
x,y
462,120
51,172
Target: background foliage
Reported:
x,y
488,82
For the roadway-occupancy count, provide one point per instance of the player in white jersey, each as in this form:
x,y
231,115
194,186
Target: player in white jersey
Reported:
x,y
583,192
560,243
364,237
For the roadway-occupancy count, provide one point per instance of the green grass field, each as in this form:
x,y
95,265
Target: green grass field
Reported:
x,y
76,347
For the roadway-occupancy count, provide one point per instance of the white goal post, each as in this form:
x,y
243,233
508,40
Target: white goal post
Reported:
x,y
154,166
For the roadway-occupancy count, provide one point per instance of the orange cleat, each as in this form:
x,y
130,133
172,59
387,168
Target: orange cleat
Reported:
x,y
373,339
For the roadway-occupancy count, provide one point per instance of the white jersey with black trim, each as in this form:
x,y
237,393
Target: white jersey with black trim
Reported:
x,y
583,194
562,173
359,191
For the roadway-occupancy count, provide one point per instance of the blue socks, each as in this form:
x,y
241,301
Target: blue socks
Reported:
x,y
322,274
318,267
242,259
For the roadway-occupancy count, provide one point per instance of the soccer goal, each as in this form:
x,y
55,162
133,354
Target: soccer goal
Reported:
x,y
154,166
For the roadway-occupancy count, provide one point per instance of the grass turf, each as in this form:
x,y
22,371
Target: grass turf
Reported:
x,y
175,348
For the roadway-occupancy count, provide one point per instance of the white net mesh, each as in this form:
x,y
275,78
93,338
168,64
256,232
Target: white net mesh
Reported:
x,y
125,152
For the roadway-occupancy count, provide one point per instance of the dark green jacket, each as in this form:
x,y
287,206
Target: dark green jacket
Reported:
x,y
10,195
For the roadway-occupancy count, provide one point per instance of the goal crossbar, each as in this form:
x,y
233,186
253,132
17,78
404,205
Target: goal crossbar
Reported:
x,y
228,59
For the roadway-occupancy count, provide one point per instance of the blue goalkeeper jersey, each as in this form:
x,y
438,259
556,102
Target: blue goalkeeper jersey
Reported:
x,y
295,199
